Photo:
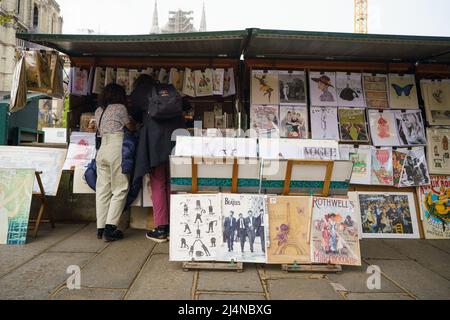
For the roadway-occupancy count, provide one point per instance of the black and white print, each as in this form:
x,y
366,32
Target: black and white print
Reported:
x,y
292,87
415,170
410,127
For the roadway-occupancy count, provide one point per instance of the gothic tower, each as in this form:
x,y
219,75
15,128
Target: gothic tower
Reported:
x,y
203,21
155,23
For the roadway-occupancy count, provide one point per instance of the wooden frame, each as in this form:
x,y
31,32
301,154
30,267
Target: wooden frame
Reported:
x,y
43,199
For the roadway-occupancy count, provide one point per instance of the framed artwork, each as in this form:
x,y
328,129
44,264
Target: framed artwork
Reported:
x,y
289,229
218,79
322,88
382,167
388,215
176,78
324,123
411,129
415,169
99,80
265,87
376,91
189,83
334,232
264,121
403,91
353,125
229,85
203,82
294,121
435,207
194,226
383,128
350,90
438,151
292,87
16,190
243,226
436,95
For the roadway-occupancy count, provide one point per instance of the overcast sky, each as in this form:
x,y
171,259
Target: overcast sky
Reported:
x,y
407,17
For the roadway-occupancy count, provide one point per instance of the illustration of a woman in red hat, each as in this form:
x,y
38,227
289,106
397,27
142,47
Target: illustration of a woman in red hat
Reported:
x,y
324,82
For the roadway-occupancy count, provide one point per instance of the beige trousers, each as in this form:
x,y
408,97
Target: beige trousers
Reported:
x,y
112,185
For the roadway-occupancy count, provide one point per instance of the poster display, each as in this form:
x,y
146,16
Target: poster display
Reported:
x,y
218,79
415,169
292,87
382,167
383,128
353,125
362,165
324,123
376,91
189,83
294,121
323,89
403,91
350,90
265,87
203,82
438,152
436,95
411,128
264,121
229,83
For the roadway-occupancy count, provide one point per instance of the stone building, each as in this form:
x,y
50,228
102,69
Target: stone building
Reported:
x,y
38,16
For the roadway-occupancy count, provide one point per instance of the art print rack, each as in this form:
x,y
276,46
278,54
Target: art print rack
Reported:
x,y
35,223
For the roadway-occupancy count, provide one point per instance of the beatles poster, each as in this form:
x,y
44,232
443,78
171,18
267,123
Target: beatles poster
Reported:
x,y
324,123
243,225
289,225
438,151
349,90
294,122
382,171
436,95
265,87
292,87
334,232
376,91
403,91
323,89
195,227
353,125
383,128
435,208
411,130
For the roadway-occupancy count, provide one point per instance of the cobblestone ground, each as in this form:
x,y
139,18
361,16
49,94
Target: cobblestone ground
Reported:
x,y
136,268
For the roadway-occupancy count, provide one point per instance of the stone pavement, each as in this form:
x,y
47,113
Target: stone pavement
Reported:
x,y
136,268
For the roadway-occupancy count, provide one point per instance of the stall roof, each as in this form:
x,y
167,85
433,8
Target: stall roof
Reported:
x,y
197,44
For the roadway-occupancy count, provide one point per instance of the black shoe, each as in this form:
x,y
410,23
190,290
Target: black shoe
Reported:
x,y
112,233
100,233
160,234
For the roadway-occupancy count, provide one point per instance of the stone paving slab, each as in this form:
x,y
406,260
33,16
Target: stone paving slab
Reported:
x,y
162,248
444,245
378,296
426,255
215,296
247,281
275,272
13,256
420,281
302,289
38,278
83,241
90,294
117,266
162,280
378,249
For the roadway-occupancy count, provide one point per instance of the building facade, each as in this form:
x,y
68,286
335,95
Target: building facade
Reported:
x,y
38,16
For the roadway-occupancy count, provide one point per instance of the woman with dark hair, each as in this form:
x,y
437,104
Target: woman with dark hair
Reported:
x,y
112,184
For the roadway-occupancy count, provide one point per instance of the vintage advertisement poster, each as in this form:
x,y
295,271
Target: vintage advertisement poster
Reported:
x,y
292,87
334,232
438,151
435,206
403,91
376,91
264,121
388,215
436,95
294,122
243,228
16,190
99,80
203,82
353,125
415,169
195,227
350,90
189,83
411,129
229,85
383,128
80,81
289,230
322,88
218,79
123,78
265,87
362,165
324,123
398,160
382,167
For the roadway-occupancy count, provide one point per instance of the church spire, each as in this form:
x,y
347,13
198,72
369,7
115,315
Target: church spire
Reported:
x,y
203,21
155,23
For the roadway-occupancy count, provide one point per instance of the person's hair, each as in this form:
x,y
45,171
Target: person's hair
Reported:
x,y
113,94
144,80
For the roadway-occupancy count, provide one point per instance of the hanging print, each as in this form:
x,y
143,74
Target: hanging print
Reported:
x,y
176,78
376,91
218,79
410,127
438,151
398,161
265,87
229,86
353,125
436,95
189,83
349,90
122,78
382,171
203,82
403,91
383,128
264,121
294,121
324,123
362,165
99,80
292,87
110,76
323,89
415,169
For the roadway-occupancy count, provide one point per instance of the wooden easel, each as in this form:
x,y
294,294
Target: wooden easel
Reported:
x,y
200,265
34,224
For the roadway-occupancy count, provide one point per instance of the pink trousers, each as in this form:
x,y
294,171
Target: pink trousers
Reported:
x,y
160,185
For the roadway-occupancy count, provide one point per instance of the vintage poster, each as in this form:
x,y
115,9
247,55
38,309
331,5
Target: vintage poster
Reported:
x,y
285,149
289,228
349,90
415,169
203,82
176,78
243,226
324,123
294,121
133,75
195,227
163,76
398,160
334,232
362,165
218,79
388,215
99,80
322,88
403,91
382,167
265,87
80,81
436,95
264,121
229,84
38,70
110,76
376,91
88,122
123,78
438,151
16,191
411,130
292,87
435,206
189,83
383,128
353,125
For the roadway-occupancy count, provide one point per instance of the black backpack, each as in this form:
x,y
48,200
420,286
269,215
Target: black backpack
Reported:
x,y
165,103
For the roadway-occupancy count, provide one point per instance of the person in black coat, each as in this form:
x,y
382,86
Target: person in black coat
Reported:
x,y
229,226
